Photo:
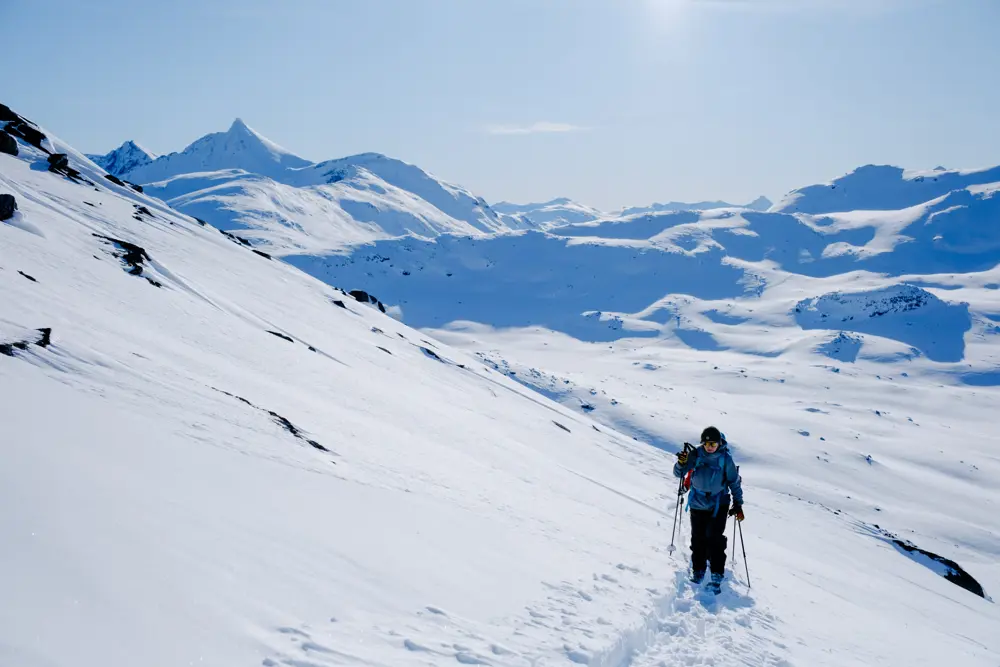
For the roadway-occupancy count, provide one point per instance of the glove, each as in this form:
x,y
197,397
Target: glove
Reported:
x,y
737,511
682,456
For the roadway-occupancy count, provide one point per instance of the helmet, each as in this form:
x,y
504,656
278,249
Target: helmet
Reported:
x,y
712,434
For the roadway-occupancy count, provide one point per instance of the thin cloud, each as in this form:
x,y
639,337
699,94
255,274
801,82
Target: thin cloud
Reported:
x,y
541,127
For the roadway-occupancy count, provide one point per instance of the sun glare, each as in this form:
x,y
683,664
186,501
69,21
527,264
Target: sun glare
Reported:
x,y
666,14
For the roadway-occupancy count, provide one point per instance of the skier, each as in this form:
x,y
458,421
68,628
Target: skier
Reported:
x,y
713,476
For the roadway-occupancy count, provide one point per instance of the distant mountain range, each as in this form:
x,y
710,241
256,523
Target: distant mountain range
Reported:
x,y
238,179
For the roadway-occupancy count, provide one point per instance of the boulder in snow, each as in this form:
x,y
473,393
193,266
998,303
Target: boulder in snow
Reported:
x,y
20,126
59,164
7,207
7,144
365,297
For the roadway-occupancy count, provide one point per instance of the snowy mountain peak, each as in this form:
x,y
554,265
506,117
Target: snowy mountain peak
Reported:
x,y
239,126
130,155
239,147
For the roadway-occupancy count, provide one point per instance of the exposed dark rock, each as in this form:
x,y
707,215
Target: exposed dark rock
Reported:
x,y
58,161
201,222
429,352
262,253
280,335
7,207
561,426
384,350
27,276
338,302
365,297
953,571
21,128
137,188
142,210
131,255
45,340
945,567
235,239
288,426
8,348
6,114
7,144
59,164
114,179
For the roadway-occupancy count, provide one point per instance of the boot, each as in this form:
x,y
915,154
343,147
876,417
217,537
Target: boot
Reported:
x,y
715,585
697,576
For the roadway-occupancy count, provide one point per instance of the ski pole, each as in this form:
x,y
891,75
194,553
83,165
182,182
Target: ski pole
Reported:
x,y
742,544
673,531
680,492
734,539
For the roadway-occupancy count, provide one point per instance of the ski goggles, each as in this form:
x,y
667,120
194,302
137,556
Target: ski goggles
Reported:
x,y
711,443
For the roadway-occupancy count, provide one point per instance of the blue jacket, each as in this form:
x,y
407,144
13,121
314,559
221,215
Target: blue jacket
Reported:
x,y
714,476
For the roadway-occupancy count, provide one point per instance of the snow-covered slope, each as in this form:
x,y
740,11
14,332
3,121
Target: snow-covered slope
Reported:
x,y
127,157
854,356
330,204
882,188
217,459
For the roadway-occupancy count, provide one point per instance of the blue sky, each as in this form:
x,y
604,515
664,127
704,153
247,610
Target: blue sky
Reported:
x,y
610,102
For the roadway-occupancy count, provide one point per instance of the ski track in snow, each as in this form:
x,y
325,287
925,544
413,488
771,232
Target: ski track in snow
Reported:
x,y
594,623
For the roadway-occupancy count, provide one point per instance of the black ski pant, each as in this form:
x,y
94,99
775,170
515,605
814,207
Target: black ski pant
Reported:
x,y
708,539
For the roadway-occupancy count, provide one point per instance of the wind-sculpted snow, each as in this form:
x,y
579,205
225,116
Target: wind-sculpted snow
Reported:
x,y
288,219
882,188
954,233
373,168
905,313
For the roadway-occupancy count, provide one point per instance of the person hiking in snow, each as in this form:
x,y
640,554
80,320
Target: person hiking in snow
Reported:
x,y
713,477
